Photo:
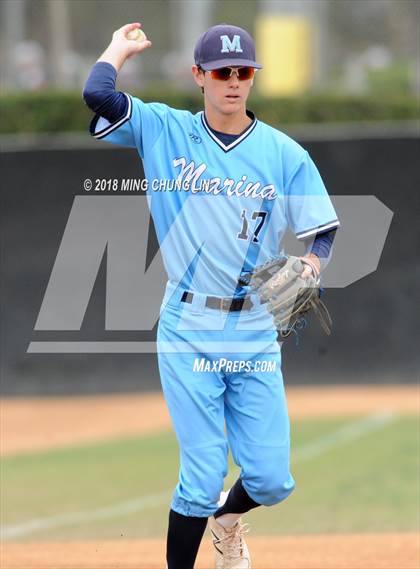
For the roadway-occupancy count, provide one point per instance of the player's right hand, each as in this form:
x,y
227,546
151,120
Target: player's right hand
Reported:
x,y
125,46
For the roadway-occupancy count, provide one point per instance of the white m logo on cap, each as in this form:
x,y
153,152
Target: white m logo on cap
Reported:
x,y
231,45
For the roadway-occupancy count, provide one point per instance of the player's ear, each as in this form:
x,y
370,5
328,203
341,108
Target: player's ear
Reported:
x,y
198,75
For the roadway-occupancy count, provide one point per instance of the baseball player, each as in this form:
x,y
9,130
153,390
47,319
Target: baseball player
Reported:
x,y
223,188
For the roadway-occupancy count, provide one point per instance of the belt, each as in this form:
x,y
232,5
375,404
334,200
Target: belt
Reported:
x,y
226,304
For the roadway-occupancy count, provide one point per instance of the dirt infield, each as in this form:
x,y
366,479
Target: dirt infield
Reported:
x,y
365,551
36,424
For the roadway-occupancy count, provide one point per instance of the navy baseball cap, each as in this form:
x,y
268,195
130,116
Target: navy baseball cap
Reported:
x,y
225,46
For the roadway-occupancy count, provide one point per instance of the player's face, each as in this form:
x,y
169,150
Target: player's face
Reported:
x,y
225,96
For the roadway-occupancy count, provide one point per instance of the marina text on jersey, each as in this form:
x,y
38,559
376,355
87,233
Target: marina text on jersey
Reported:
x,y
190,178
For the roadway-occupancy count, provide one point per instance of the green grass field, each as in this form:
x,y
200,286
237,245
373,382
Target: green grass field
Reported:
x,y
350,478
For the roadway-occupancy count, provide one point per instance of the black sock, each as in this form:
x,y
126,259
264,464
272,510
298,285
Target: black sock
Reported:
x,y
238,501
184,537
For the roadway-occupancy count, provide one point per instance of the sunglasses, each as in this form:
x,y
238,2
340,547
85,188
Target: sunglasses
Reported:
x,y
225,73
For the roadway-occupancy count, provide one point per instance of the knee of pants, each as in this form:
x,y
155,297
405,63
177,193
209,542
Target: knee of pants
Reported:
x,y
202,474
270,486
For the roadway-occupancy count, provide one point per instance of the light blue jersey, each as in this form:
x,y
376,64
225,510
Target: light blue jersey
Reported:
x,y
220,210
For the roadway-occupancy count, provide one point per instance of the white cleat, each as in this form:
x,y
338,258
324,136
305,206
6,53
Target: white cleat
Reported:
x,y
230,549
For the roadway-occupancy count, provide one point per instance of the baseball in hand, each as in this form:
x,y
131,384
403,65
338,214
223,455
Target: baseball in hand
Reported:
x,y
136,35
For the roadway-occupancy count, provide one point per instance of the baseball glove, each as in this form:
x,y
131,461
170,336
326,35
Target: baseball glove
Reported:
x,y
288,297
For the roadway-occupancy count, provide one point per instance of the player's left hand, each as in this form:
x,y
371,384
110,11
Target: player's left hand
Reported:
x,y
288,295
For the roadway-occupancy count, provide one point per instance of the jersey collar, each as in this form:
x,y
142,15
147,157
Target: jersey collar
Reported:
x,y
240,138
